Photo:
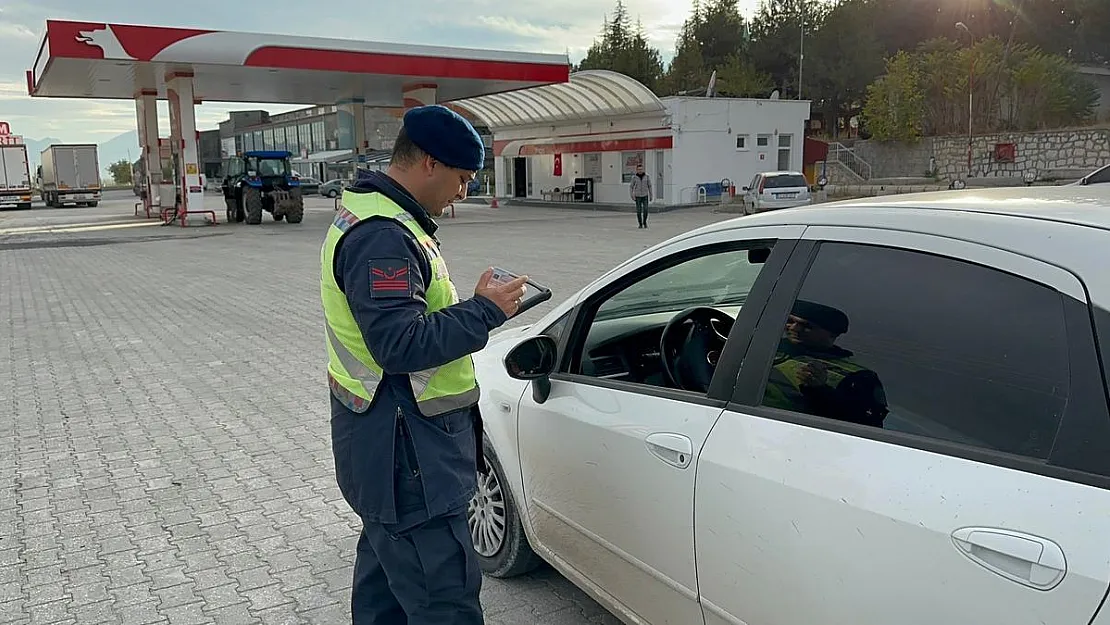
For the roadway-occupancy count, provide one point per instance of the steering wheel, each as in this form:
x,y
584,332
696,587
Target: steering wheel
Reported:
x,y
691,345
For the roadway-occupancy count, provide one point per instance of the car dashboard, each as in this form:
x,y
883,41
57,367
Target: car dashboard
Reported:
x,y
627,348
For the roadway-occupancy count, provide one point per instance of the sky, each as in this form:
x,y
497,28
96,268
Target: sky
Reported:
x,y
562,26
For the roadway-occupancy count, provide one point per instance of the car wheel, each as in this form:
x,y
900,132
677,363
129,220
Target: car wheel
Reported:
x,y
332,193
499,539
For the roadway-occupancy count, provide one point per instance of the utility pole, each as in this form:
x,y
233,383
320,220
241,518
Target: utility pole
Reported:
x,y
970,93
801,43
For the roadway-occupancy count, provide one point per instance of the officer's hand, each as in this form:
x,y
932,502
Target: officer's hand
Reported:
x,y
507,296
813,374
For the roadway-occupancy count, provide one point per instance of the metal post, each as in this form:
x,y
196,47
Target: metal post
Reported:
x,y
970,94
801,44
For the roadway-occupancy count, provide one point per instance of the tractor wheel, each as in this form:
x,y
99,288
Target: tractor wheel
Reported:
x,y
294,210
252,205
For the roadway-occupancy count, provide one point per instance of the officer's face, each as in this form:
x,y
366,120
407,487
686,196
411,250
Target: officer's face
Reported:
x,y
801,331
446,185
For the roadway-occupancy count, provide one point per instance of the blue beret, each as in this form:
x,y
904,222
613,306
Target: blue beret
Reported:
x,y
446,136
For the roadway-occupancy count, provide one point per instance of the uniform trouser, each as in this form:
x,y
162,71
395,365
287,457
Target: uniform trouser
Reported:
x,y
428,573
642,210
423,573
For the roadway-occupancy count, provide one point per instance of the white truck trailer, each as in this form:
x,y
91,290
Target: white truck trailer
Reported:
x,y
70,174
15,176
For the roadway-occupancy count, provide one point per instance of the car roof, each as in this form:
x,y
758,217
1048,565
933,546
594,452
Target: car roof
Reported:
x,y
1071,204
781,173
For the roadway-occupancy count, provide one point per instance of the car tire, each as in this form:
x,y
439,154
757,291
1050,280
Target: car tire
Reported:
x,y
333,193
511,555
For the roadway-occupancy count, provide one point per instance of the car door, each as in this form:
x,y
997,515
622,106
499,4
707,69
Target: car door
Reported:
x,y
751,193
900,442
607,459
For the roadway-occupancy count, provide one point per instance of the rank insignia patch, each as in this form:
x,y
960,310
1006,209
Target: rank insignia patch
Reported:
x,y
390,277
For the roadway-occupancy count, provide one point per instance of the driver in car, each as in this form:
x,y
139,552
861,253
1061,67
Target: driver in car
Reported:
x,y
813,375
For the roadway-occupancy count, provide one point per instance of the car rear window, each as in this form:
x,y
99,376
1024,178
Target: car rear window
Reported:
x,y
784,181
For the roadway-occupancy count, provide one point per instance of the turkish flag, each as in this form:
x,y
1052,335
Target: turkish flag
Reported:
x,y
558,165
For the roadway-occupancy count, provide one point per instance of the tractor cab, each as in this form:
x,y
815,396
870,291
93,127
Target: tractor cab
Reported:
x,y
262,181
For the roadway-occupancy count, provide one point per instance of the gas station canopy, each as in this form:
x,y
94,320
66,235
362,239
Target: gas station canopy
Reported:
x,y
588,96
116,61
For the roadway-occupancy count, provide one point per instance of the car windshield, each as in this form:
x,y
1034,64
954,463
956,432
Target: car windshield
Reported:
x,y
713,280
783,181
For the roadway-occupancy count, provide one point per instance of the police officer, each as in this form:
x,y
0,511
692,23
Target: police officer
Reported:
x,y
813,375
405,431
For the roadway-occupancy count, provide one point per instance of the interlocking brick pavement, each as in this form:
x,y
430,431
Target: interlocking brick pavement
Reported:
x,y
164,450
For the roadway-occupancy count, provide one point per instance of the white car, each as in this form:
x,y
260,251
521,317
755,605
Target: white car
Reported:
x,y
773,190
890,410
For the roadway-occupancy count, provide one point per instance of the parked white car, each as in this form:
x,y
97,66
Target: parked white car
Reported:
x,y
773,190
890,410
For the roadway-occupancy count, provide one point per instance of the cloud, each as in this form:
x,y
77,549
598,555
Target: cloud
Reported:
x,y
10,31
568,26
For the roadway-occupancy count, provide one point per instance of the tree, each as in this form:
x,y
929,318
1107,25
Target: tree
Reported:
x,y
1016,86
121,172
895,105
1093,32
625,50
687,71
739,78
776,38
720,32
843,58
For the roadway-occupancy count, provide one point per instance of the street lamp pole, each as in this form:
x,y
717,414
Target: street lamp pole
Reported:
x,y
970,93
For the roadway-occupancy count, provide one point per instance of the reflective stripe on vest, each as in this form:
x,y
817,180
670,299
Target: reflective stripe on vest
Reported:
x,y
784,389
351,366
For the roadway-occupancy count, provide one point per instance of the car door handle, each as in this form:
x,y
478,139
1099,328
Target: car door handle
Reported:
x,y
1023,558
674,449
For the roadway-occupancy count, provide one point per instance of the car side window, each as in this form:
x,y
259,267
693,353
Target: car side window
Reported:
x,y
620,337
928,345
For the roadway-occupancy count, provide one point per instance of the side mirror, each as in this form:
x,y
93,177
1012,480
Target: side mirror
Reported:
x,y
534,360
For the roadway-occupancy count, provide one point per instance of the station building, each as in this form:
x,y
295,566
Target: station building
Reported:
x,y
578,141
581,140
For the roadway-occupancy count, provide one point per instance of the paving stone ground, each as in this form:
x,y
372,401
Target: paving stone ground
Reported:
x,y
164,452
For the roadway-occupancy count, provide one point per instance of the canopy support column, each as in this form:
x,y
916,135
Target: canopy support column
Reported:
x,y
185,140
150,156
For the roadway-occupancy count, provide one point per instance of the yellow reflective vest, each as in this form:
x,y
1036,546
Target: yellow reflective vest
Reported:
x,y
439,390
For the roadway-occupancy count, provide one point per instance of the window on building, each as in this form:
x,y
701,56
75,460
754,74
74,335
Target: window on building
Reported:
x,y
741,142
319,142
875,332
763,141
784,152
629,162
304,131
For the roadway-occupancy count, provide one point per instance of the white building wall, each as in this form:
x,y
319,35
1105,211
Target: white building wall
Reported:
x,y
706,146
705,133
608,188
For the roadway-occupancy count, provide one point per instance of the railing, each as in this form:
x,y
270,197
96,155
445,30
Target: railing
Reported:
x,y
840,153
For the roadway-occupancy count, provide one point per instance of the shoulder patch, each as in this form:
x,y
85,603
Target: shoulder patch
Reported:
x,y
390,278
344,219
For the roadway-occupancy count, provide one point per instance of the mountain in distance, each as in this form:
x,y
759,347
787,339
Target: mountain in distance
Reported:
x,y
34,150
124,147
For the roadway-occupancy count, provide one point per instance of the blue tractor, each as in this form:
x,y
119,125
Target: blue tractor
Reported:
x,y
262,181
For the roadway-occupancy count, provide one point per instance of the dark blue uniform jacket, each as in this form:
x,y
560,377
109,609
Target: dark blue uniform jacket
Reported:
x,y
395,466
